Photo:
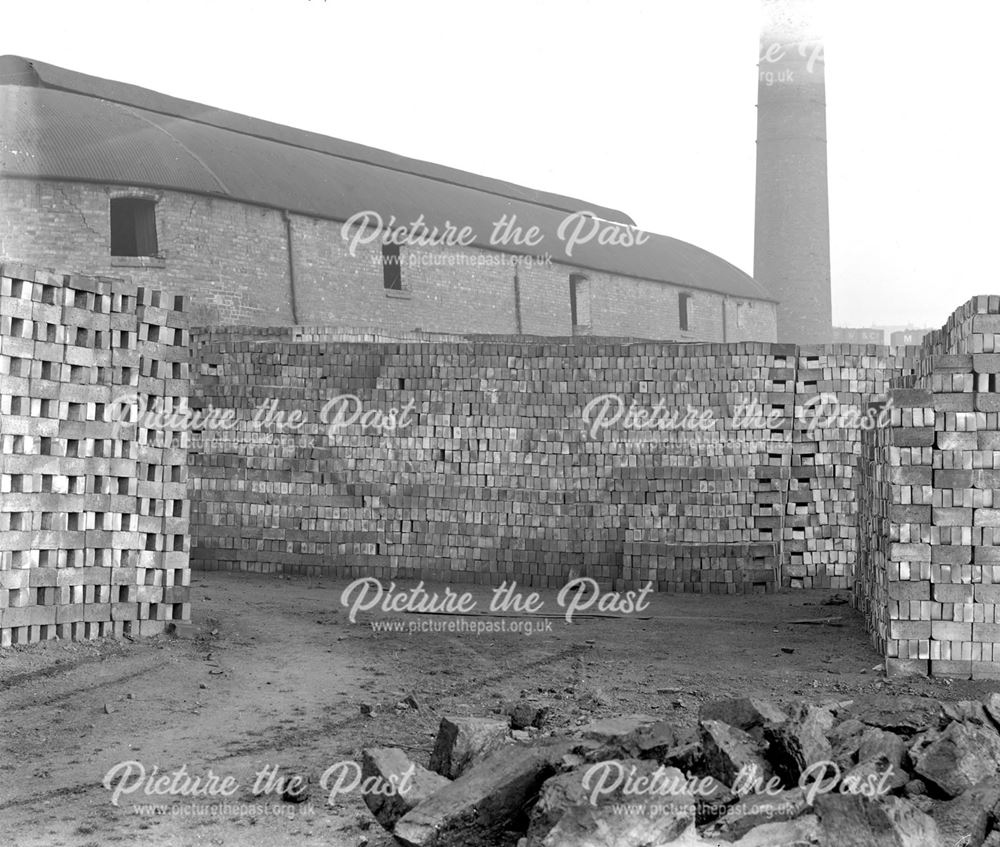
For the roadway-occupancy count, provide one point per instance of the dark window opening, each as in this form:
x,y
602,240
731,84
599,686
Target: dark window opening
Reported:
x,y
579,300
392,272
682,307
133,227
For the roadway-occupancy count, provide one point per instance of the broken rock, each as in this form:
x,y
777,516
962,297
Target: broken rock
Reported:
x,y
614,730
746,713
992,705
848,820
877,742
800,742
524,714
483,803
753,810
630,825
957,758
712,799
463,741
969,711
801,832
845,741
630,799
412,783
904,714
873,776
644,741
729,753
966,819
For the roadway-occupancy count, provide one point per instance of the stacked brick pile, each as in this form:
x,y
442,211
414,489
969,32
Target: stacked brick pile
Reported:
x,y
833,389
497,476
93,507
931,479
700,505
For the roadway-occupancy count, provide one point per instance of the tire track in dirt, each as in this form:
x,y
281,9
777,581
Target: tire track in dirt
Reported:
x,y
82,689
294,738
283,738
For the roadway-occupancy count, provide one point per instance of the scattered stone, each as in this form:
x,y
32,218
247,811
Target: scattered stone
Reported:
x,y
903,714
915,788
746,713
966,819
957,758
108,708
992,706
848,820
924,803
643,741
876,775
712,799
613,730
687,757
752,810
582,807
411,702
602,783
411,783
202,685
799,742
729,753
478,806
801,832
642,824
877,742
559,793
464,741
968,711
524,714
845,742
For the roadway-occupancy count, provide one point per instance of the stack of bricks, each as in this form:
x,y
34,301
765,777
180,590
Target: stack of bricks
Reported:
x,y
700,505
933,475
834,386
498,476
93,508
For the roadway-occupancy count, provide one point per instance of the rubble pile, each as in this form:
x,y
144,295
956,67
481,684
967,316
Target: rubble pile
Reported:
x,y
878,770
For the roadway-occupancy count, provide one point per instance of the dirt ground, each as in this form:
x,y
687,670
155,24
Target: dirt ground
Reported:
x,y
273,674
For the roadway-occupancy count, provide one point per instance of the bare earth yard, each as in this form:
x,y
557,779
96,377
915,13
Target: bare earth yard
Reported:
x,y
273,674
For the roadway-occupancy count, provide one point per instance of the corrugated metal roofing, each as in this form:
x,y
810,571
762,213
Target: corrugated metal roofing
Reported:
x,y
57,124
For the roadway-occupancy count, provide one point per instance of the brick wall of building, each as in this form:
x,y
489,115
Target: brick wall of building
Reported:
x,y
232,258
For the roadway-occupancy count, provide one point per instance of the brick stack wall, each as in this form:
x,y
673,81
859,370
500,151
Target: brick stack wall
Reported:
x,y
498,475
928,579
94,512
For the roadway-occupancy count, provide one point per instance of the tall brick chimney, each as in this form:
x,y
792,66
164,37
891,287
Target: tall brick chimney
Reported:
x,y
792,225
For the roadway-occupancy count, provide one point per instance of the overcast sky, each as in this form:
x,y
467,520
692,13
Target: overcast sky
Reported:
x,y
643,105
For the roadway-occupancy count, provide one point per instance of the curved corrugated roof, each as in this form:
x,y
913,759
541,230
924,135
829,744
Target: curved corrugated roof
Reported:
x,y
57,124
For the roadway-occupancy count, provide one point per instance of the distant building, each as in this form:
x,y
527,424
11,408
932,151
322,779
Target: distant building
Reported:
x,y
858,335
907,337
248,218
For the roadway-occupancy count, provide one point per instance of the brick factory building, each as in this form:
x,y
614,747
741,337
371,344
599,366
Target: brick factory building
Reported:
x,y
248,218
